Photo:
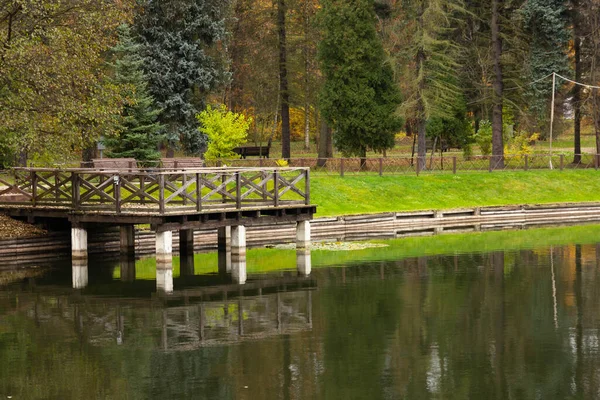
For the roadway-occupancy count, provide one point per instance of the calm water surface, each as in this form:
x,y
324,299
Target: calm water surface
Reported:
x,y
513,324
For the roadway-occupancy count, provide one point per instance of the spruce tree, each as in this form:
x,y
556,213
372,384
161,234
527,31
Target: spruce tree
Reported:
x,y
177,37
546,25
139,133
359,97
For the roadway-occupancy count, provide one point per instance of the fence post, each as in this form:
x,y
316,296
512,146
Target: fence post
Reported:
x,y
76,192
596,161
307,186
380,166
526,162
491,162
276,188
454,165
342,167
418,169
161,193
117,190
562,161
238,190
198,192
33,187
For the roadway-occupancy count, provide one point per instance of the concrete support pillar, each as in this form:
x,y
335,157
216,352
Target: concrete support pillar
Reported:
x,y
224,249
78,243
303,262
186,242
238,254
164,276
79,270
303,235
164,247
127,239
127,266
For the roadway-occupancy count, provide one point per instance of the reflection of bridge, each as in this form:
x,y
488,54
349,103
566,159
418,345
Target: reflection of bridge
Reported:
x,y
186,319
228,199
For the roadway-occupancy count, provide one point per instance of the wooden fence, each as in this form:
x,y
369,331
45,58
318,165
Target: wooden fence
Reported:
x,y
155,191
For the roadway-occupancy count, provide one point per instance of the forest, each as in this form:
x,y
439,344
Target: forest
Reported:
x,y
198,77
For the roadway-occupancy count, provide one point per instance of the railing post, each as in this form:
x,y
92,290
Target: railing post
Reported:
x,y
33,187
161,193
76,194
276,188
562,161
307,186
238,190
117,190
491,162
198,192
454,165
526,162
342,167
418,169
596,161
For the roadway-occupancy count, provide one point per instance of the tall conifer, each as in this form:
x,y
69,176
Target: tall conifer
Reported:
x,y
177,37
139,132
359,96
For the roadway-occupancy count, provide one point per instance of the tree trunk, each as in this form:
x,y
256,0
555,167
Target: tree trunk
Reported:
x,y
577,88
363,158
497,159
422,144
325,145
306,80
285,96
88,153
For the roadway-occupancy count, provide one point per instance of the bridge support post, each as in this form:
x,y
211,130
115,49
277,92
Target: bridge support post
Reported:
x,y
164,276
164,261
224,249
303,262
79,271
164,246
303,235
238,254
186,242
127,267
127,239
78,243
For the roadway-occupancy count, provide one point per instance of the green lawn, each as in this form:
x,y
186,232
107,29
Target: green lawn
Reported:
x,y
371,194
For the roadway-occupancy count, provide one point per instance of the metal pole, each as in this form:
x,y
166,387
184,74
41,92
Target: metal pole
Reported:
x,y
552,114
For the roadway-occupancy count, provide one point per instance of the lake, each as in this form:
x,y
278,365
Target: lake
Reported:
x,y
497,315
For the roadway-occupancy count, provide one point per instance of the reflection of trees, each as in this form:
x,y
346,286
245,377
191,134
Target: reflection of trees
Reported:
x,y
463,326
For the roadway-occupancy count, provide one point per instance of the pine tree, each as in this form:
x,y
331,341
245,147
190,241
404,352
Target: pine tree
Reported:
x,y
359,97
139,133
177,37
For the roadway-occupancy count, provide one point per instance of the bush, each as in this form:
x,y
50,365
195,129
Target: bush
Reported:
x,y
225,131
483,137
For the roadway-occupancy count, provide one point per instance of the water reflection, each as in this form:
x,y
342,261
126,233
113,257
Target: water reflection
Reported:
x,y
504,324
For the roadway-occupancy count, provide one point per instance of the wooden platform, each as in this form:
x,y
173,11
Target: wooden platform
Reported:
x,y
168,199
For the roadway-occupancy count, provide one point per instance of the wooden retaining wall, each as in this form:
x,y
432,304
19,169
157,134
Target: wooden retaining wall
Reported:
x,y
21,252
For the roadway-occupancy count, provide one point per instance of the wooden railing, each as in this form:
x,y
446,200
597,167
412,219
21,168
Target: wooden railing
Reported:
x,y
157,190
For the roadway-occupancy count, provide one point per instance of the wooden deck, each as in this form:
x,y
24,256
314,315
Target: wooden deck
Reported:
x,y
168,198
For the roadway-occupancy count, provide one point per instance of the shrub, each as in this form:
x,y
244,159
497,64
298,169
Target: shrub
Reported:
x,y
225,131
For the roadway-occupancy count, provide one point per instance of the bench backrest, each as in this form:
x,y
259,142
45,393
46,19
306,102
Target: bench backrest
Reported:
x,y
115,163
185,162
244,151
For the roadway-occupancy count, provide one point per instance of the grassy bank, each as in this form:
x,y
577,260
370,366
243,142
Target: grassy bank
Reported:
x,y
371,194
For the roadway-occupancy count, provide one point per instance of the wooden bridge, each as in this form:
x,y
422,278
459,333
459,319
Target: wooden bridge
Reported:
x,y
167,199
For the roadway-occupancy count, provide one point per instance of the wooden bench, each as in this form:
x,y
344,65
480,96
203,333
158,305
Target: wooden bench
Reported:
x,y
253,151
129,164
185,162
